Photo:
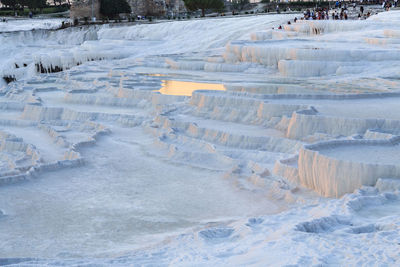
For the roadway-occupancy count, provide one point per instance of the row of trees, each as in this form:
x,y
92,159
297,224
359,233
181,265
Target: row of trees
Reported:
x,y
203,5
112,8
216,5
31,4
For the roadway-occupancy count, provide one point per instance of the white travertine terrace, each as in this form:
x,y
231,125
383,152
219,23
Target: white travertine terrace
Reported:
x,y
313,107
278,117
334,174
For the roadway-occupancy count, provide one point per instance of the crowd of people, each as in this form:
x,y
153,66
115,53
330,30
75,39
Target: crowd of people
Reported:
x,y
341,11
388,4
334,14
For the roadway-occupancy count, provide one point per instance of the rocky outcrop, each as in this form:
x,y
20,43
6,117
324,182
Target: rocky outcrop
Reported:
x,y
156,7
83,8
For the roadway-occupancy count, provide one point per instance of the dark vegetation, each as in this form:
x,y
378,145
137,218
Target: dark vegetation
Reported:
x,y
203,5
24,7
9,79
112,8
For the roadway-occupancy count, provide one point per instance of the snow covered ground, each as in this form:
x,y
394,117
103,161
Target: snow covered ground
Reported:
x,y
203,142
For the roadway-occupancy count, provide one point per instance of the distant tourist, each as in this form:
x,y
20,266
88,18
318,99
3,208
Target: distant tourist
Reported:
x,y
387,5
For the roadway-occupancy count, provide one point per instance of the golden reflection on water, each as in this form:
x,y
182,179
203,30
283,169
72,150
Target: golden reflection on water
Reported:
x,y
156,75
187,88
